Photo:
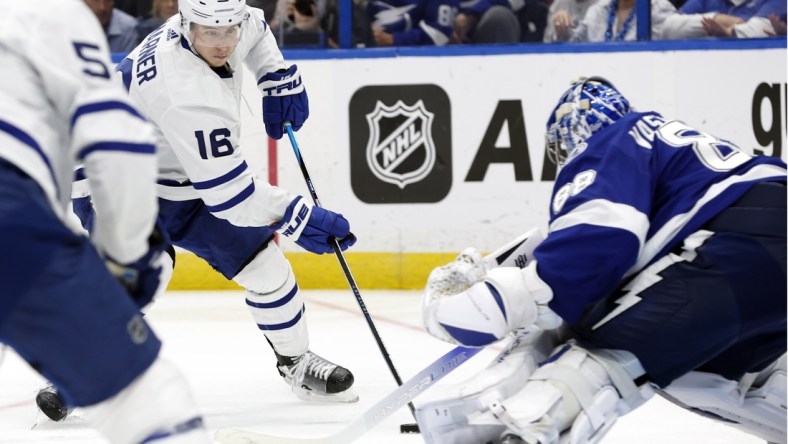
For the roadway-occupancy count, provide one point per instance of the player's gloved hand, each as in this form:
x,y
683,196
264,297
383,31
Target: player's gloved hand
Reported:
x,y
506,299
284,100
142,277
314,228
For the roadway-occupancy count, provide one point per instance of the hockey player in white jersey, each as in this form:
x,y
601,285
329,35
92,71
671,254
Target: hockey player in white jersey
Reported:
x,y
186,78
63,306
665,259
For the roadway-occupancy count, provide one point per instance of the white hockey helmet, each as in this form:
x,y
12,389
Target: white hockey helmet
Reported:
x,y
212,12
211,15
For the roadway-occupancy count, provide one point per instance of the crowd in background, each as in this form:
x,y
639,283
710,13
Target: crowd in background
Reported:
x,y
315,23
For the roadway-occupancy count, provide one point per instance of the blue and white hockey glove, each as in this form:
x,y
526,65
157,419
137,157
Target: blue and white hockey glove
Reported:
x,y
142,278
284,100
314,228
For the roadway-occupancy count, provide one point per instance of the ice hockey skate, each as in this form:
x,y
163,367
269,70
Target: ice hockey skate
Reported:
x,y
314,378
51,404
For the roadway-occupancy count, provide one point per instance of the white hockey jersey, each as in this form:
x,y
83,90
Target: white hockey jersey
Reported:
x,y
60,105
196,114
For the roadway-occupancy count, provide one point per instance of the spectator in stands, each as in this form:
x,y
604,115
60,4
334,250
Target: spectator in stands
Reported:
x,y
160,11
563,17
724,18
533,20
298,23
361,34
268,7
135,8
487,21
615,20
500,21
119,27
412,22
778,24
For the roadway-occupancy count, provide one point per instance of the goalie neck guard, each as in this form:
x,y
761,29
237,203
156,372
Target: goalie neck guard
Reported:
x,y
589,105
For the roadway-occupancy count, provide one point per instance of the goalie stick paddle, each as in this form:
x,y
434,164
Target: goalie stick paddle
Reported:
x,y
517,253
373,416
345,269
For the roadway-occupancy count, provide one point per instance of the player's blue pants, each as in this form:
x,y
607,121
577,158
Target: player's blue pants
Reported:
x,y
60,308
189,225
722,312
226,247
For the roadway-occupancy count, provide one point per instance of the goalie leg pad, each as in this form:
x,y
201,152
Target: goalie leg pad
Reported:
x,y
575,397
452,415
758,409
275,302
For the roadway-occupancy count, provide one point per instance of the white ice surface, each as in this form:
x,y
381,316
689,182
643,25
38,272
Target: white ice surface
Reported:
x,y
213,339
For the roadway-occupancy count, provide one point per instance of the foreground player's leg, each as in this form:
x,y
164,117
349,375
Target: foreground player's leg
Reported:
x,y
48,400
72,321
277,307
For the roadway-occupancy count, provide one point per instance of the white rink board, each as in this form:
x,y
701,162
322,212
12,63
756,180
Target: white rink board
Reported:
x,y
711,89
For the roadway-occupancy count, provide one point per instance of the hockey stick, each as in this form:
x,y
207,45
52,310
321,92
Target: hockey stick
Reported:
x,y
341,258
373,416
514,254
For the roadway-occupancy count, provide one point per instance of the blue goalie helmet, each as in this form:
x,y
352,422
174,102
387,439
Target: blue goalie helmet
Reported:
x,y
589,105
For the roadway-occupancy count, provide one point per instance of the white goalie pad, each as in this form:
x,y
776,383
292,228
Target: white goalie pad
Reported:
x,y
573,398
756,404
444,413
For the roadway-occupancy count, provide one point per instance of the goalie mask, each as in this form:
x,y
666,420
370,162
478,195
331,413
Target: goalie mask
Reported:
x,y
212,23
585,108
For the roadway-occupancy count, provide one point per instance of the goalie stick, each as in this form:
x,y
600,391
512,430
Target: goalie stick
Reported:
x,y
516,253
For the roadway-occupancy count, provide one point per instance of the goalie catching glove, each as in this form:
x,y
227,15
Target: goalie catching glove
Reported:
x,y
314,228
284,100
499,302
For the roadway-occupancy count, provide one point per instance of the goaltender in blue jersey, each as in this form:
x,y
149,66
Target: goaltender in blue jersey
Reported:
x,y
664,262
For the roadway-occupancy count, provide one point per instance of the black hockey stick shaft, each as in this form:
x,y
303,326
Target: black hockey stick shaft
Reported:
x,y
341,258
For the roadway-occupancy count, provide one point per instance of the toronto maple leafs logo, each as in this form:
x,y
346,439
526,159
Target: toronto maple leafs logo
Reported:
x,y
400,149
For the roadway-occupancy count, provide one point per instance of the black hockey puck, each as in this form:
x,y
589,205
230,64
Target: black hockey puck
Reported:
x,y
50,402
409,428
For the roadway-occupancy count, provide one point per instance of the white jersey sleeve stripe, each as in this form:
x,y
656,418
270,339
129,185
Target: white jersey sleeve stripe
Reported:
x,y
140,148
604,213
661,238
235,172
103,106
238,198
26,139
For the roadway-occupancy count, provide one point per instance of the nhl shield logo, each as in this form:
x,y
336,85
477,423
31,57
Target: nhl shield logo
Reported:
x,y
400,149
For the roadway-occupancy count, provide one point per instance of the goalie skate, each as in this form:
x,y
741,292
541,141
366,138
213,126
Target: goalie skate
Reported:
x,y
448,417
314,378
